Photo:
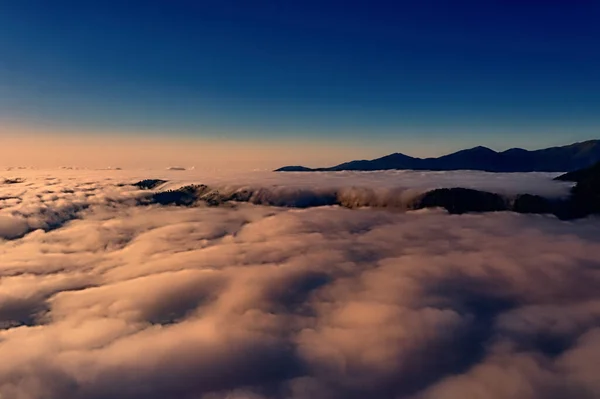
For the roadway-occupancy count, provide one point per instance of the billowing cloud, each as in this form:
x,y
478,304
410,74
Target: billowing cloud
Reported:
x,y
100,298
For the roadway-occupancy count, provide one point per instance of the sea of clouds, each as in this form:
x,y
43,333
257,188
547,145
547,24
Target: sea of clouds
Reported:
x,y
102,298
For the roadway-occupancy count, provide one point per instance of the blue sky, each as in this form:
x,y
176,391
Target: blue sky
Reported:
x,y
435,74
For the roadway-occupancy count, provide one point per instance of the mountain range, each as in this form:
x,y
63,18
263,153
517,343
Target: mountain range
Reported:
x,y
555,159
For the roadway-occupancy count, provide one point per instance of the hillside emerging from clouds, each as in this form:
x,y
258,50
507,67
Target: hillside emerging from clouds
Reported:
x,y
555,159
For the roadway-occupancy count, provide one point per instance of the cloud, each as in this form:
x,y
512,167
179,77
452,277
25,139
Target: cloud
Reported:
x,y
101,298
12,227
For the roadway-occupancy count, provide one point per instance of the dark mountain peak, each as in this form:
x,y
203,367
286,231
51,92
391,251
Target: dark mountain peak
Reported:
x,y
392,161
554,159
478,149
515,150
295,168
396,155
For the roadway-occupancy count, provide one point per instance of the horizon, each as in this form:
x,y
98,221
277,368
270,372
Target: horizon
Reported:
x,y
69,150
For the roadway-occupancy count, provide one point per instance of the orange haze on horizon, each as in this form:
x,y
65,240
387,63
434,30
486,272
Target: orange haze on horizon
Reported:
x,y
37,147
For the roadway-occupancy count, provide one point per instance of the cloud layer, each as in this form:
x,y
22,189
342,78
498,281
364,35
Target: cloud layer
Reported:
x,y
102,299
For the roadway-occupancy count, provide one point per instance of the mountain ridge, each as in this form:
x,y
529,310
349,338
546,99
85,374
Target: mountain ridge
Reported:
x,y
553,159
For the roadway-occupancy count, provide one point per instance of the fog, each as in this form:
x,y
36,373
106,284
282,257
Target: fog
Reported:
x,y
103,298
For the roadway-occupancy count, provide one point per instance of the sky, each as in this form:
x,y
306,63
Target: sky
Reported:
x,y
311,82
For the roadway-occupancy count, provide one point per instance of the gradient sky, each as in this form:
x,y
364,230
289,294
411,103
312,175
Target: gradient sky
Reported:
x,y
420,77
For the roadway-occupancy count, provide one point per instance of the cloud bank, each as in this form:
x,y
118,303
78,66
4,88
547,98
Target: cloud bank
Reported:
x,y
100,298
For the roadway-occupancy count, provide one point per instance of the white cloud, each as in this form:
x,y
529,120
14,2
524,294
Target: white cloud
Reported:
x,y
12,227
261,302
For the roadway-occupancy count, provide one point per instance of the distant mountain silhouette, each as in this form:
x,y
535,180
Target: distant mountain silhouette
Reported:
x,y
555,159
294,169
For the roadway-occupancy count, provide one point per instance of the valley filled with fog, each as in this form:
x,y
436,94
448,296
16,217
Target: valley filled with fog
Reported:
x,y
104,294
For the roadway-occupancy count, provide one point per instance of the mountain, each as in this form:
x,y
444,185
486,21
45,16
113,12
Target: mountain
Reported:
x,y
392,161
581,175
294,169
585,195
555,159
